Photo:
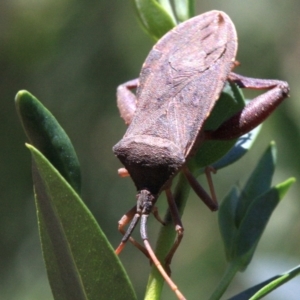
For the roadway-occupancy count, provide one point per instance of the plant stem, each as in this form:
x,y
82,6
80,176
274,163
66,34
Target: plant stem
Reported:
x,y
230,272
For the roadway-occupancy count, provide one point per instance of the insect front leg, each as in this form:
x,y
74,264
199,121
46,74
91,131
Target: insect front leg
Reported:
x,y
126,100
256,111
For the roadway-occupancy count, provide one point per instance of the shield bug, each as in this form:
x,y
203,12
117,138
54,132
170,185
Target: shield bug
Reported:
x,y
178,86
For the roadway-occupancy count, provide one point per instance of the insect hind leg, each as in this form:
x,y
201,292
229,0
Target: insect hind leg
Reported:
x,y
126,100
256,111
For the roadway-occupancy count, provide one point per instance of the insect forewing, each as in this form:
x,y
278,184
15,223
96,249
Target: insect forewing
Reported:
x,y
183,77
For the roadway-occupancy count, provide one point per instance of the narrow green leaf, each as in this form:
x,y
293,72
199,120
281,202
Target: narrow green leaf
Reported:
x,y
264,288
259,181
80,262
168,8
283,187
255,221
241,147
276,283
184,9
246,295
230,102
227,224
154,18
45,133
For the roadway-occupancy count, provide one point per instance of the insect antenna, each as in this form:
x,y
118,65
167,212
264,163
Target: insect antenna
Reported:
x,y
155,260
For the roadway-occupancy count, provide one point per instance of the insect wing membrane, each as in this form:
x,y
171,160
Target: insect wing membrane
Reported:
x,y
182,78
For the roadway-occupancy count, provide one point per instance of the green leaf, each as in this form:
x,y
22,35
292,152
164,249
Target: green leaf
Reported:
x,y
80,262
230,102
276,282
167,6
227,223
184,9
241,147
255,221
246,295
264,288
154,17
259,181
240,240
45,133
241,236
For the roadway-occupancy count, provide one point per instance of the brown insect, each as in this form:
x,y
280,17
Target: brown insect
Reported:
x,y
179,84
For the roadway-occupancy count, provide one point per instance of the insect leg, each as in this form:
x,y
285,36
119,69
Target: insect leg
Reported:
x,y
157,216
122,172
155,260
256,111
133,217
208,171
178,227
126,100
199,190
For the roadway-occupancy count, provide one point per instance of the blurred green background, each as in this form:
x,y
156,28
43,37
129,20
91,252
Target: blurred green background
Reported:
x,y
72,55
